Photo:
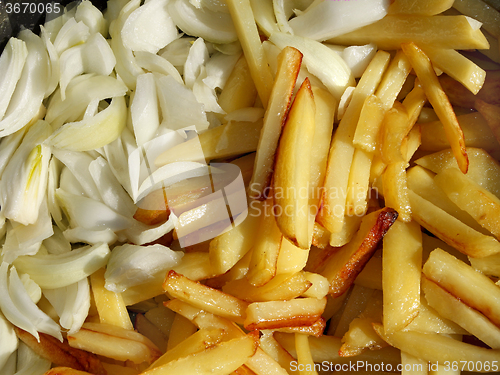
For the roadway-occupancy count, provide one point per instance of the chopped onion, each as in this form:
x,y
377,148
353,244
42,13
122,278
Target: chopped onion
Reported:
x,y
327,19
157,64
79,165
358,57
149,28
264,16
131,265
79,93
112,193
320,61
18,307
24,181
94,56
31,87
92,237
216,27
218,69
72,304
144,109
126,66
32,288
177,51
11,66
90,214
179,106
71,34
54,66
196,59
57,243
94,132
141,234
282,16
87,13
52,271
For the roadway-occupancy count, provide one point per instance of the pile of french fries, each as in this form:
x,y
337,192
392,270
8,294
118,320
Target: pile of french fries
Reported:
x,y
371,243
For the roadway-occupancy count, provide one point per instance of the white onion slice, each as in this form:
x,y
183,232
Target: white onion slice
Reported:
x,y
90,214
196,59
157,64
179,106
321,61
94,132
87,13
216,27
71,34
144,109
56,271
31,87
71,303
24,181
358,58
131,265
80,92
149,28
92,237
328,19
11,66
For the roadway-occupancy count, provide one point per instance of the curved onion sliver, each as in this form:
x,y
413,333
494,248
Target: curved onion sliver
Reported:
x,y
216,27
56,271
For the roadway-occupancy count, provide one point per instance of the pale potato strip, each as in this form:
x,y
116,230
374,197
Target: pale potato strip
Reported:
x,y
439,101
422,7
396,190
332,213
393,80
412,365
359,183
481,11
304,356
248,34
182,328
370,121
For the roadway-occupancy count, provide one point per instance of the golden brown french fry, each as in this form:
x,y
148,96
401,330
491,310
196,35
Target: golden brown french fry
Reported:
x,y
244,23
228,248
304,357
425,8
149,330
223,358
358,185
61,354
344,265
110,305
282,287
482,205
266,249
114,342
436,348
274,349
293,170
392,30
65,371
470,286
439,101
394,129
394,79
289,62
291,259
321,237
316,329
181,329
331,215
457,66
204,297
401,269
451,230
396,190
412,365
262,364
371,275
451,307
239,90
359,338
195,343
277,314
